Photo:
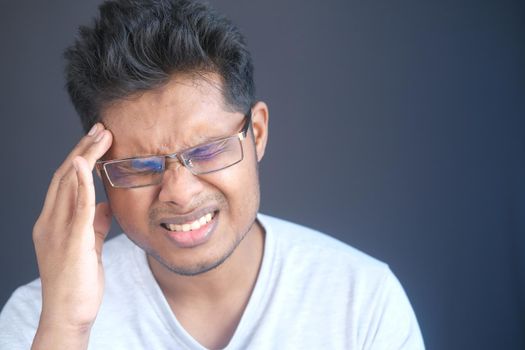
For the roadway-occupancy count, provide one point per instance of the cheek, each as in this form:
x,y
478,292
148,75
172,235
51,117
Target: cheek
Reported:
x,y
130,208
240,186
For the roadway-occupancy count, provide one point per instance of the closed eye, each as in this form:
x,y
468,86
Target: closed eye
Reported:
x,y
207,152
138,166
146,164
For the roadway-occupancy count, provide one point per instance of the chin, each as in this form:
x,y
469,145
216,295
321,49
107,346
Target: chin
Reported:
x,y
190,269
192,261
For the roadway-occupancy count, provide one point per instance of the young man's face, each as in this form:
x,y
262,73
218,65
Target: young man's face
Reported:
x,y
188,111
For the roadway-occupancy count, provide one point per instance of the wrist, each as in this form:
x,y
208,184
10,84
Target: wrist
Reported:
x,y
53,333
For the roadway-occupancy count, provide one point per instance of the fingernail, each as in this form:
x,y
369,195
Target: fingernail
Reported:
x,y
93,130
100,136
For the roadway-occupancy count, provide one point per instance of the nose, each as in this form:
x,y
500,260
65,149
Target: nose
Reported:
x,y
179,186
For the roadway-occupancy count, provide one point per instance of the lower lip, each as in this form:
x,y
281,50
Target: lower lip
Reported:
x,y
193,238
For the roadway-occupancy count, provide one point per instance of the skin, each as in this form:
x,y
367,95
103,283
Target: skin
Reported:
x,y
188,110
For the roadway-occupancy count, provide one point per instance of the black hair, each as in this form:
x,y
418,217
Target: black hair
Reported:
x,y
137,45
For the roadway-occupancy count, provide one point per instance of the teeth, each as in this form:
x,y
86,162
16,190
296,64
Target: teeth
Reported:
x,y
195,225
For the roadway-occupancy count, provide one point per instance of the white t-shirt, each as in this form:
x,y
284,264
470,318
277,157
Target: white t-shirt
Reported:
x,y
312,292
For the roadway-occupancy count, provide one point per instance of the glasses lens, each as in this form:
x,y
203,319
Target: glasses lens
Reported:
x,y
135,172
214,156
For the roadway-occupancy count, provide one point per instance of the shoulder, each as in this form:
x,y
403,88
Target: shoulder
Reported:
x,y
298,242
314,262
26,300
367,302
20,316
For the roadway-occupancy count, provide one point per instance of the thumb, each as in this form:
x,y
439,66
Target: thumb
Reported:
x,y
101,224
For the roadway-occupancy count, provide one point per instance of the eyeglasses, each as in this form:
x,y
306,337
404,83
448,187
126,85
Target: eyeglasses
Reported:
x,y
202,159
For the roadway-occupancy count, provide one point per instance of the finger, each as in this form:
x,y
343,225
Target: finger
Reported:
x,y
67,188
66,197
66,166
101,224
97,149
84,213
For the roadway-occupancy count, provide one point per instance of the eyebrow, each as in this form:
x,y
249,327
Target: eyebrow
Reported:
x,y
203,140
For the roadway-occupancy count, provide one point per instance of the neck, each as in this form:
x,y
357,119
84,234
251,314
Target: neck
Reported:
x,y
234,278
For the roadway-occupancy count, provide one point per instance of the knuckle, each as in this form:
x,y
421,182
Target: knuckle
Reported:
x,y
63,180
36,233
40,223
57,176
83,204
85,181
36,238
37,230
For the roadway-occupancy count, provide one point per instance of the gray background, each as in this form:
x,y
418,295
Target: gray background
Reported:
x,y
396,126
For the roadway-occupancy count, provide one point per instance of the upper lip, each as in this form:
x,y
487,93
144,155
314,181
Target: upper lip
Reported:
x,y
187,218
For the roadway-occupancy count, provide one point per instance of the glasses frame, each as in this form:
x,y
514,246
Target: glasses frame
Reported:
x,y
241,135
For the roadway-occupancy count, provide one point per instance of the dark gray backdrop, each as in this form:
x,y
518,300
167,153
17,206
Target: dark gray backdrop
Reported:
x,y
396,126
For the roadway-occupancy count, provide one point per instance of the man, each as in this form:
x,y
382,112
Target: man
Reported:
x,y
165,93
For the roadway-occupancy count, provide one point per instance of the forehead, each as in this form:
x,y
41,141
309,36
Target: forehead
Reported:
x,y
187,110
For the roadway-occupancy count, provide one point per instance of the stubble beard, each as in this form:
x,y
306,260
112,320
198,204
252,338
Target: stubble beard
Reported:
x,y
201,267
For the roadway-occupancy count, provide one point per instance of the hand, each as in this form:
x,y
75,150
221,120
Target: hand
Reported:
x,y
68,238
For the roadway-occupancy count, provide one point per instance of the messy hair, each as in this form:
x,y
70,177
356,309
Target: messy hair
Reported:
x,y
138,45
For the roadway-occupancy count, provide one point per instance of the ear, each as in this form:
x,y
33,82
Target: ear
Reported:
x,y
260,128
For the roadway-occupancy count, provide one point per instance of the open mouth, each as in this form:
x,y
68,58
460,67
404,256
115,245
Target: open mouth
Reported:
x,y
191,225
193,230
